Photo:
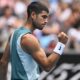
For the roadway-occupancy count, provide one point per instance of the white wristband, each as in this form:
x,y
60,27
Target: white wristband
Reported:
x,y
59,48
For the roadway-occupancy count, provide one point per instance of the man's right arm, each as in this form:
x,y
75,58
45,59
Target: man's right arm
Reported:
x,y
31,45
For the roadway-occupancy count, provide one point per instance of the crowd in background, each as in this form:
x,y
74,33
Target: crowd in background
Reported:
x,y
64,16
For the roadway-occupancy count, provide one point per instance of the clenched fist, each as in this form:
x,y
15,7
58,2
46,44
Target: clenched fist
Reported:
x,y
63,38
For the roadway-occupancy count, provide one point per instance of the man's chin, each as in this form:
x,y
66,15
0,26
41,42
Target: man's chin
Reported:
x,y
40,28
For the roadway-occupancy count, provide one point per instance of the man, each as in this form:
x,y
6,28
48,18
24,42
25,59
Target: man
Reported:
x,y
24,49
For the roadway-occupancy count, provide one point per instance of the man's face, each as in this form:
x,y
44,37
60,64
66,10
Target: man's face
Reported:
x,y
40,20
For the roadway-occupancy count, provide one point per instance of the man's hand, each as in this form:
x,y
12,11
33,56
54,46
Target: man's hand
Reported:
x,y
63,38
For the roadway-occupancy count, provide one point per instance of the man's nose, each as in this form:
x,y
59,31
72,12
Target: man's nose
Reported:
x,y
46,20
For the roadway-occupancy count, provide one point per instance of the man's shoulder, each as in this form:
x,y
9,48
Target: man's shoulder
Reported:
x,y
29,42
29,37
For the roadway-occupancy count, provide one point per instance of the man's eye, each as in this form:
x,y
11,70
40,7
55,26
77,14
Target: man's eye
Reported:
x,y
44,17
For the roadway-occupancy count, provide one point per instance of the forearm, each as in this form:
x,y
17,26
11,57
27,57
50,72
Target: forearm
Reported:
x,y
53,58
50,61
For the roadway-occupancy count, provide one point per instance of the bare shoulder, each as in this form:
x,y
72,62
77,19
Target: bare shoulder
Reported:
x,y
30,43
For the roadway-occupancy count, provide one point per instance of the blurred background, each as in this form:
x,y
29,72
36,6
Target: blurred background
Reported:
x,y
64,16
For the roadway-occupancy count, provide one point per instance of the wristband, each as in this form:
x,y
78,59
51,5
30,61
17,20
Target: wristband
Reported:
x,y
59,48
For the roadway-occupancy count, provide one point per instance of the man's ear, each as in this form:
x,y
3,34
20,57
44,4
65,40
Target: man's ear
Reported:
x,y
33,15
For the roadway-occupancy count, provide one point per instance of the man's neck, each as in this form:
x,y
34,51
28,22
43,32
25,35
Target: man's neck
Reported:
x,y
29,26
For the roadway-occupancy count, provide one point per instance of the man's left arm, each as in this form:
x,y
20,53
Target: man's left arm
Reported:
x,y
4,62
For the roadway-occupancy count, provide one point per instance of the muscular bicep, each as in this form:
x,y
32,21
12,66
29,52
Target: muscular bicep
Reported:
x,y
31,45
40,57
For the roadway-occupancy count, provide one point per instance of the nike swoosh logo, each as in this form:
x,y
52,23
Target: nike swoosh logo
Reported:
x,y
60,48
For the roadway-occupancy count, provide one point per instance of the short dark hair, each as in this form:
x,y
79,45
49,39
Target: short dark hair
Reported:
x,y
37,7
